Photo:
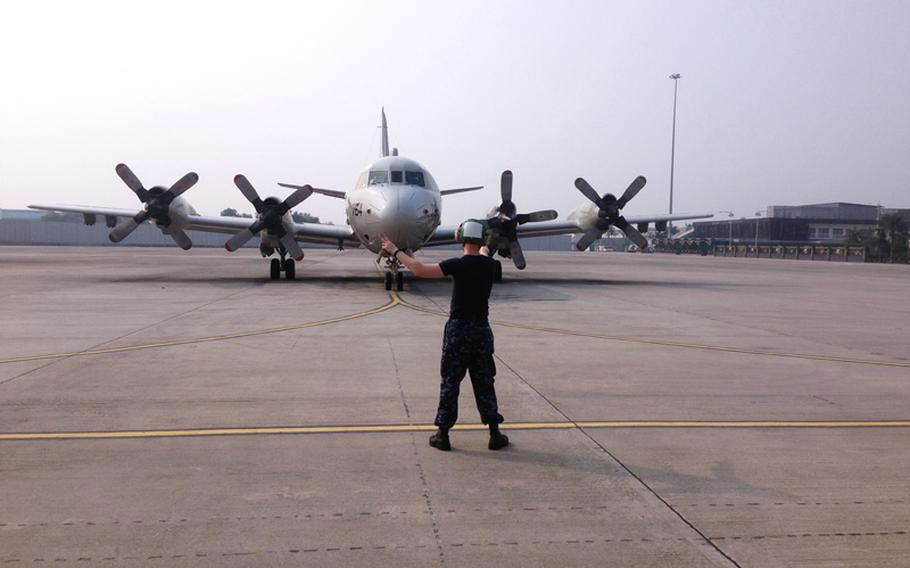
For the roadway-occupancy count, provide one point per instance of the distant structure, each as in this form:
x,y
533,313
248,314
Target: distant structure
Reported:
x,y
27,227
812,223
21,214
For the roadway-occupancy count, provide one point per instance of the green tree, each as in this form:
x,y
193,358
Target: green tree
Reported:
x,y
857,236
63,217
231,212
892,234
304,217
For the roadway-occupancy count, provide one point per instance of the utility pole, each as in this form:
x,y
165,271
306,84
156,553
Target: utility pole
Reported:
x,y
675,77
729,227
757,217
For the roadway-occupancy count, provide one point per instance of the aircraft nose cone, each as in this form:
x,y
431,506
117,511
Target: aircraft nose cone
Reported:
x,y
395,225
400,218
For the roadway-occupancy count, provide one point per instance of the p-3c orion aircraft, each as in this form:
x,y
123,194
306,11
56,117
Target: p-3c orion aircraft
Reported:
x,y
394,195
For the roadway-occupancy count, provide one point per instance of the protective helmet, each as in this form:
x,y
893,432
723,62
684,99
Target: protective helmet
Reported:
x,y
472,231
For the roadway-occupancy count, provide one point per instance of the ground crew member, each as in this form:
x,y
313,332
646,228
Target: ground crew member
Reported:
x,y
467,344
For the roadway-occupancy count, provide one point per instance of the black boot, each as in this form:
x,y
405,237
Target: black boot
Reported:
x,y
497,440
440,440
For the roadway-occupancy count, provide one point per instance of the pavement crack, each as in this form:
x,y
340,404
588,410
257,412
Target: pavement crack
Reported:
x,y
628,470
425,486
404,402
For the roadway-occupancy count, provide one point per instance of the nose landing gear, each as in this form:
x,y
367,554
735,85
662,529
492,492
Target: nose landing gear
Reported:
x,y
393,274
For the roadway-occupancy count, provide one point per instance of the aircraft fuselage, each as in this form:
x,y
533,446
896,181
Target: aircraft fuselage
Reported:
x,y
398,197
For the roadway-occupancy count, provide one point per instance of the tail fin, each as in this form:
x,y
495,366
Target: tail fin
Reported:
x,y
385,135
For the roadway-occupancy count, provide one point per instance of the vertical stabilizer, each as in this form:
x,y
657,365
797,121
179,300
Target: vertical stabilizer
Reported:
x,y
385,135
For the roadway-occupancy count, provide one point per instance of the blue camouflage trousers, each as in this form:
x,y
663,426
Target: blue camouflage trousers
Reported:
x,y
467,345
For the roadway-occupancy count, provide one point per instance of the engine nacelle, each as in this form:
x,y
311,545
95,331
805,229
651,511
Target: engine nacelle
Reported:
x,y
265,247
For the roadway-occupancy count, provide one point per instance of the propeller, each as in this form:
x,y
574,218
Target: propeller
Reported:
x,y
608,213
157,202
505,224
270,213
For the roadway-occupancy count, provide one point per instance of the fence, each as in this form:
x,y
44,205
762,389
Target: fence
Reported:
x,y
837,252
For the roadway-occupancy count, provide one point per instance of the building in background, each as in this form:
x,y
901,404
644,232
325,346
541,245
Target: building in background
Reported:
x,y
812,223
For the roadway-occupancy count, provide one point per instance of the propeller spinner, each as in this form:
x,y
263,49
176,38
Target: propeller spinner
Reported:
x,y
608,213
157,202
270,213
504,225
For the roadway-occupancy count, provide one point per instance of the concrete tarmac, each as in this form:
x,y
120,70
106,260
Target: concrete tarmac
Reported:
x,y
163,408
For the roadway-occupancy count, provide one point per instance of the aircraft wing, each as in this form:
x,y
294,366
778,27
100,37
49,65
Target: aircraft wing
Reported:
x,y
459,190
326,234
633,219
446,235
442,236
87,210
304,232
330,192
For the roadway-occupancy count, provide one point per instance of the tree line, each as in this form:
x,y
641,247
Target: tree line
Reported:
x,y
298,217
886,242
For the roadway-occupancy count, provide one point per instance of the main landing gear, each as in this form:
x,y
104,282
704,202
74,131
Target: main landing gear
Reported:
x,y
393,274
278,266
285,265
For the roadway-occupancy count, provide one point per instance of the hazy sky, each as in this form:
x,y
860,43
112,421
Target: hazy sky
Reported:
x,y
780,102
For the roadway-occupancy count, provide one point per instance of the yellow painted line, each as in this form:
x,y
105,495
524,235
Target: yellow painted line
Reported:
x,y
679,344
394,301
392,428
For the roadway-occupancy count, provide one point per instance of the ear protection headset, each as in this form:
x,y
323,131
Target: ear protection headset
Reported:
x,y
472,231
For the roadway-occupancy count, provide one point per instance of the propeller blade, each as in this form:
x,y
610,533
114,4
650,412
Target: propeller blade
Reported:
x,y
518,257
294,199
290,245
631,191
537,216
588,191
589,237
183,184
248,191
632,233
121,231
182,239
132,182
239,240
505,186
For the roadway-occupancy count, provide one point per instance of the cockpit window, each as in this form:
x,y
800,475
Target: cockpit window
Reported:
x,y
414,178
379,177
396,176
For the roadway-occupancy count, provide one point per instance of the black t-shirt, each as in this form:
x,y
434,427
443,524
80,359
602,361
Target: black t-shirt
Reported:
x,y
473,276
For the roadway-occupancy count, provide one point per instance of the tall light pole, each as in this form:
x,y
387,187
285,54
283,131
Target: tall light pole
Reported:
x,y
757,215
729,227
675,77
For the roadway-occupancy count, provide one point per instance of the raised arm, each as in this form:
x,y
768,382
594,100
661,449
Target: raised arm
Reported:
x,y
416,267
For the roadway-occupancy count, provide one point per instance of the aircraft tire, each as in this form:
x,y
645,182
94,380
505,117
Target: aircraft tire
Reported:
x,y
275,269
497,272
399,281
290,269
